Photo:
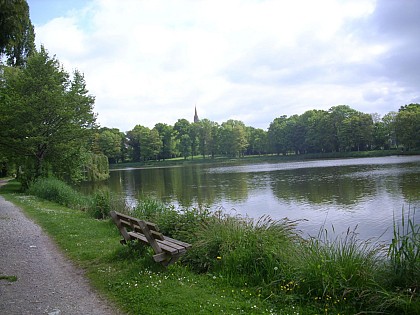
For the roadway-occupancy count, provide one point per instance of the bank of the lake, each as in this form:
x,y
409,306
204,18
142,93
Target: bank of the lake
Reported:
x,y
235,266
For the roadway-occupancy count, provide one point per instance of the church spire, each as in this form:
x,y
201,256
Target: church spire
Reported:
x,y
196,116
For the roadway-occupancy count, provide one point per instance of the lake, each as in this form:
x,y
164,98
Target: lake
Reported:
x,y
336,194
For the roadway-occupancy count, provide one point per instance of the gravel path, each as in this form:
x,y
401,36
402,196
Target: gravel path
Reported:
x,y
47,282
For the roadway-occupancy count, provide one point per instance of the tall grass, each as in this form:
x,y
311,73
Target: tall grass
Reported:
x,y
404,252
181,224
57,191
242,251
339,272
98,205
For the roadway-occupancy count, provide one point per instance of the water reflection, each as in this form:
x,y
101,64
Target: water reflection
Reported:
x,y
343,193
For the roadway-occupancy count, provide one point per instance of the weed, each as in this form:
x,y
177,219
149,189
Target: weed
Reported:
x,y
8,278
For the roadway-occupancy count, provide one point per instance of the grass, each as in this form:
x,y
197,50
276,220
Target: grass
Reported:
x,y
8,278
236,265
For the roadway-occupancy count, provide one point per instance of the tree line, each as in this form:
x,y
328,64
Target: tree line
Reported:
x,y
339,129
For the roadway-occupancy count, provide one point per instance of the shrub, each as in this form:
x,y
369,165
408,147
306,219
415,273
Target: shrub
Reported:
x,y
101,204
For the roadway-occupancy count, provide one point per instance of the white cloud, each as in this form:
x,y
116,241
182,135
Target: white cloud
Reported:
x,y
152,61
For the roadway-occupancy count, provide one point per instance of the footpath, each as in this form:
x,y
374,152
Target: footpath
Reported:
x,y
47,282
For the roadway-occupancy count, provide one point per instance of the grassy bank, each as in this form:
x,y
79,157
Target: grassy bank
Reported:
x,y
236,266
272,158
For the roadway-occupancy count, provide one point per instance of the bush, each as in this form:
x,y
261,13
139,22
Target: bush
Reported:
x,y
101,204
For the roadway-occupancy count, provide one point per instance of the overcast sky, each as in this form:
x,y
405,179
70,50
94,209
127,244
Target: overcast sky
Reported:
x,y
151,61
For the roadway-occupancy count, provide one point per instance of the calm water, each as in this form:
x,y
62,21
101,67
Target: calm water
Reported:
x,y
336,194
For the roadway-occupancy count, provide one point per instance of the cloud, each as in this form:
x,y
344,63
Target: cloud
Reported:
x,y
153,61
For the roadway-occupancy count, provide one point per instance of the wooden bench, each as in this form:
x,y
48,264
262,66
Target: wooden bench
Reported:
x,y
167,250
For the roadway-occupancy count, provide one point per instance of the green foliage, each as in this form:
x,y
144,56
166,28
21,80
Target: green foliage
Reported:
x,y
344,268
179,224
110,142
241,251
408,126
46,117
97,205
16,32
145,143
101,206
96,166
8,278
57,191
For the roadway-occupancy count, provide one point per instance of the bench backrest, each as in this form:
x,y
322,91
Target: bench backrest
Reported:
x,y
126,223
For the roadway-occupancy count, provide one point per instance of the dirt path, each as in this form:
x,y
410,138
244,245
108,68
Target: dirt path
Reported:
x,y
47,282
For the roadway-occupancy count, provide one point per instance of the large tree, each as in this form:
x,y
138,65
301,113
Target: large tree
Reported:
x,y
16,31
408,126
46,116
233,140
166,134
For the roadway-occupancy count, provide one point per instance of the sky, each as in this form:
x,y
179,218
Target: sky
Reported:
x,y
153,61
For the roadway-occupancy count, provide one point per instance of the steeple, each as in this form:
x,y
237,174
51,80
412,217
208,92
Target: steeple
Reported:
x,y
196,116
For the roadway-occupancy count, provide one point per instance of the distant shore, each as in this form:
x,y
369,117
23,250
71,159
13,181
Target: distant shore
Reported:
x,y
268,158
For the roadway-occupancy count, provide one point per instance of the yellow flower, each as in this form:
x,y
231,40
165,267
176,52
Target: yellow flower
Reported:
x,y
218,258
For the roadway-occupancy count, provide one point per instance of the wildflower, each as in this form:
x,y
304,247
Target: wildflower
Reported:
x,y
219,258
276,268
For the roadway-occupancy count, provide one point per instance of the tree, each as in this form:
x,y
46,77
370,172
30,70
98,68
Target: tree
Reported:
x,y
276,135
145,143
46,117
16,32
337,115
204,136
110,142
257,141
168,142
181,128
390,125
320,132
185,146
408,126
233,138
355,132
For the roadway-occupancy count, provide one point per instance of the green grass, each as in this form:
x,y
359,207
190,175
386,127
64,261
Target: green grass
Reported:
x,y
8,278
236,265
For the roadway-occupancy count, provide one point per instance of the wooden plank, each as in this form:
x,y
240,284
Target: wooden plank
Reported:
x,y
149,237
133,226
120,227
181,243
168,247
